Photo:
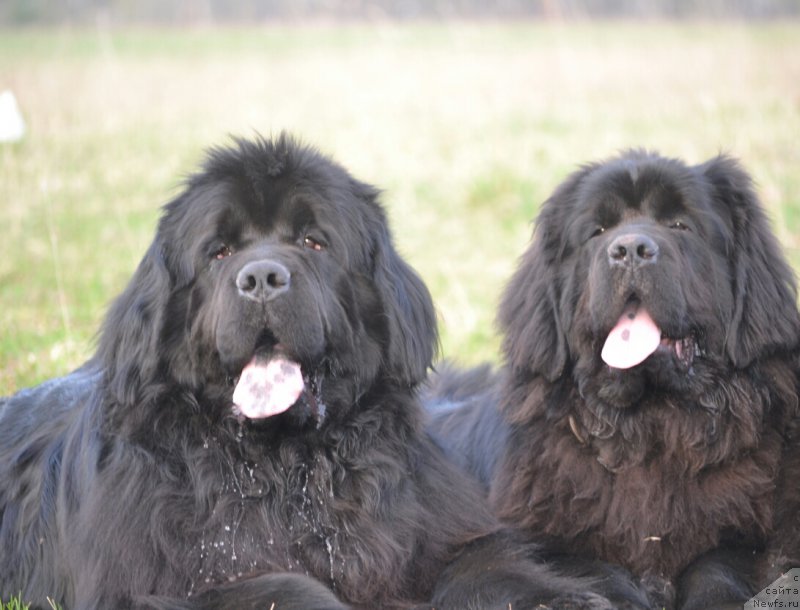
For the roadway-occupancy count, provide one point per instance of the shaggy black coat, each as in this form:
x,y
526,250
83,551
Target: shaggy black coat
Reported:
x,y
685,468
134,483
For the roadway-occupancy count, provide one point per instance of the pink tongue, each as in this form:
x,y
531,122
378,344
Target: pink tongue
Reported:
x,y
632,340
267,388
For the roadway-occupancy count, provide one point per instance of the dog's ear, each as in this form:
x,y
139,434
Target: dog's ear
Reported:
x,y
765,318
531,308
533,339
408,309
128,343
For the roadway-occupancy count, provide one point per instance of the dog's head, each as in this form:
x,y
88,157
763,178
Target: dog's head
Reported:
x,y
645,273
273,283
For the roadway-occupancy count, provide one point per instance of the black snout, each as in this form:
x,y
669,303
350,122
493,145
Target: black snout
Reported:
x,y
263,280
632,249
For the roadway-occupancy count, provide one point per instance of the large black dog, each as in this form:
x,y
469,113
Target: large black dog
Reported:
x,y
648,406
247,434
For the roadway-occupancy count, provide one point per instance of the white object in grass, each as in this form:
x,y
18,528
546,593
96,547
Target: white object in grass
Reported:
x,y
12,125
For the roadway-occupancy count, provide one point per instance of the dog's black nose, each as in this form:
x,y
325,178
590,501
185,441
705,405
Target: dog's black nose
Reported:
x,y
633,249
263,280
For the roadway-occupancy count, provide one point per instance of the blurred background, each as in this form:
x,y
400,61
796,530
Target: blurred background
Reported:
x,y
466,112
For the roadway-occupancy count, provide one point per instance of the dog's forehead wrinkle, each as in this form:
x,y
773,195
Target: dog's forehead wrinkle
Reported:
x,y
635,218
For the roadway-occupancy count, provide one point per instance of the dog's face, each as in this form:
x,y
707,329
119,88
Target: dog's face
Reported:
x,y
654,289
646,275
274,281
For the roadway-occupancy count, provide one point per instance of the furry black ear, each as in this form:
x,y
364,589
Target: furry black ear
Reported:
x,y
128,344
765,317
534,337
409,311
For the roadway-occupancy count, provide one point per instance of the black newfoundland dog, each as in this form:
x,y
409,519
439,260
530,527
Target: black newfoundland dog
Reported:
x,y
247,434
648,407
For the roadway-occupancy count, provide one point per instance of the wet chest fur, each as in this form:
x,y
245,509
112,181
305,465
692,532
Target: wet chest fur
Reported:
x,y
302,510
287,520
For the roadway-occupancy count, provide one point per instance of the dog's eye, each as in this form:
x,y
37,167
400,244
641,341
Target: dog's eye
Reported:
x,y
222,252
680,225
598,231
313,243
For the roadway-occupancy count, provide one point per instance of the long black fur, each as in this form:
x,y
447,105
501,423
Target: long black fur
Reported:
x,y
133,482
684,468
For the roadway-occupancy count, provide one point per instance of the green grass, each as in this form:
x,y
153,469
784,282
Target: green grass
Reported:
x,y
16,604
13,604
466,127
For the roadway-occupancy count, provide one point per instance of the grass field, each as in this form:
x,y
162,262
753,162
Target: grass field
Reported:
x,y
16,604
467,127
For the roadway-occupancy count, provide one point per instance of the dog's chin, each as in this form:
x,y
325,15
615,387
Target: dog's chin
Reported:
x,y
669,369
